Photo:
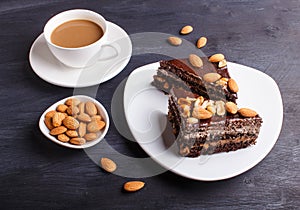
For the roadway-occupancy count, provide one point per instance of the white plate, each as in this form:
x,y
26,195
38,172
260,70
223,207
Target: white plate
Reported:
x,y
146,109
83,98
48,68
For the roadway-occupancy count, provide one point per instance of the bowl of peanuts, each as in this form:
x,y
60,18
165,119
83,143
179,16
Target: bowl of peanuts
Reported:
x,y
76,122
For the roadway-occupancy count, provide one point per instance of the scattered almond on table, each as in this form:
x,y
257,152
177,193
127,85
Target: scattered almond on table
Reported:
x,y
201,42
186,30
108,165
175,41
133,186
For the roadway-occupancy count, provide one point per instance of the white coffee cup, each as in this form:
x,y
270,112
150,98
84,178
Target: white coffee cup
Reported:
x,y
79,57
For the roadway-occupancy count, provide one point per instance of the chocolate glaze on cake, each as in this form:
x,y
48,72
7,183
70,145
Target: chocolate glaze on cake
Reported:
x,y
180,73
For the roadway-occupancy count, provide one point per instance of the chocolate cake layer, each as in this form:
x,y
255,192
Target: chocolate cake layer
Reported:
x,y
179,73
220,146
217,134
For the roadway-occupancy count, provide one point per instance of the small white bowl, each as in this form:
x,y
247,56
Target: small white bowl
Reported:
x,y
83,98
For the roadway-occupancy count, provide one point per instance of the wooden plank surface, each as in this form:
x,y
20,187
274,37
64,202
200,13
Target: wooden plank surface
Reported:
x,y
37,174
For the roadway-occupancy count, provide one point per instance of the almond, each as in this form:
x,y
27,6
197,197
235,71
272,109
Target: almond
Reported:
x,y
182,101
108,165
216,58
48,123
192,120
50,114
84,117
133,186
90,108
223,81
82,129
57,119
220,107
201,42
61,108
184,151
186,110
58,130
81,107
71,123
211,109
246,112
101,124
72,110
199,101
93,127
186,30
96,117
233,87
222,63
72,133
201,113
211,77
205,104
77,141
63,138
90,136
195,60
72,102
231,107
174,41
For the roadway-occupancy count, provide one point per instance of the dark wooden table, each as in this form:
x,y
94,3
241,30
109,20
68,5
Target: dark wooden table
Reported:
x,y
38,174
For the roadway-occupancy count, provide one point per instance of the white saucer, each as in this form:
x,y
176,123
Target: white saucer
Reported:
x,y
48,68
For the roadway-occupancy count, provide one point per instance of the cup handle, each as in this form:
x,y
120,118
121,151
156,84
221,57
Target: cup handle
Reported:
x,y
108,52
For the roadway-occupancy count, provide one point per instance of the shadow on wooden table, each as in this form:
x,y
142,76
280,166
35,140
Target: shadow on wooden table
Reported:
x,y
49,149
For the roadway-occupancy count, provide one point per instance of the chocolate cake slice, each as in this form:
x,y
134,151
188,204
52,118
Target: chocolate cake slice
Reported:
x,y
203,126
203,112
210,80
